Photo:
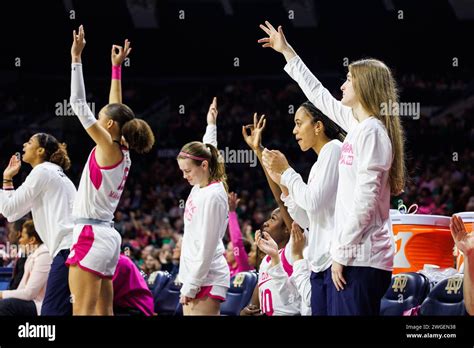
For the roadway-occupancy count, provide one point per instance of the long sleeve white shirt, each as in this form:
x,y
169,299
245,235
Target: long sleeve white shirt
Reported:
x,y
49,194
206,217
294,288
361,234
32,286
312,205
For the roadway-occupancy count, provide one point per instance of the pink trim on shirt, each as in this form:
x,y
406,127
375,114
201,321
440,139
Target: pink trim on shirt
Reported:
x,y
286,265
94,171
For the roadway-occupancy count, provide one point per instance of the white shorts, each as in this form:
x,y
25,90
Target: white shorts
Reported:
x,y
95,249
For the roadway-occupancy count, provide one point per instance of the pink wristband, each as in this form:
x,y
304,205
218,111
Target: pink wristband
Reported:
x,y
116,72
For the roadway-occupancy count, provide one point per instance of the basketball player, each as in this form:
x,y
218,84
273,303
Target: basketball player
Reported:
x,y
203,267
96,244
312,205
371,167
49,194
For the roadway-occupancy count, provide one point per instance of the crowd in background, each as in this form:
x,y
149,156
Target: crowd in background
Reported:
x,y
440,154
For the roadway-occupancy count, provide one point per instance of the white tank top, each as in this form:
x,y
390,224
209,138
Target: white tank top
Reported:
x,y
100,188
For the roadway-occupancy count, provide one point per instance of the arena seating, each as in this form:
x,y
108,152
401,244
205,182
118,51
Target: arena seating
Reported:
x,y
5,277
446,298
406,291
240,293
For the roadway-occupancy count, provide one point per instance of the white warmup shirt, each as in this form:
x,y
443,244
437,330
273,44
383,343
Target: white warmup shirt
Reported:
x,y
361,234
206,216
293,287
49,194
312,205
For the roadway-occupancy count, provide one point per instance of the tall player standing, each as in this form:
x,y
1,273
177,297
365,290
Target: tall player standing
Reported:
x,y
94,255
371,167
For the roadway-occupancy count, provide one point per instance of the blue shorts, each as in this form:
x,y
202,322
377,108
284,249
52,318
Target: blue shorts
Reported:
x,y
57,299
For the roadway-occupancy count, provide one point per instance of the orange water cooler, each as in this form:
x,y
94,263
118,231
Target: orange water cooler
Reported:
x,y
420,240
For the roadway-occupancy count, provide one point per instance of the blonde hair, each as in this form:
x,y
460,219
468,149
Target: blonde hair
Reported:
x,y
210,154
376,88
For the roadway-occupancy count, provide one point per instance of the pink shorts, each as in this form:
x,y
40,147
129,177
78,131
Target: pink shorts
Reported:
x,y
96,249
215,291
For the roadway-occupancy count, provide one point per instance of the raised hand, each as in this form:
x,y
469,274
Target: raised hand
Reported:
x,y
266,244
212,113
13,168
233,201
276,40
254,140
464,241
78,43
298,239
274,161
119,53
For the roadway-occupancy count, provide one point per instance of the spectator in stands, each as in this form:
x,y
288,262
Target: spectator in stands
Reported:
x,y
165,258
151,263
146,251
18,265
28,298
176,256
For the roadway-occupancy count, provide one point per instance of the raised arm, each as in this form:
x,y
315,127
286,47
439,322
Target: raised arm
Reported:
x,y
14,204
78,101
254,141
118,56
311,86
210,137
301,267
323,184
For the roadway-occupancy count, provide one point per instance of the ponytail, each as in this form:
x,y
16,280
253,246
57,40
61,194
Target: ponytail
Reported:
x,y
138,135
136,132
217,167
61,157
55,152
331,129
